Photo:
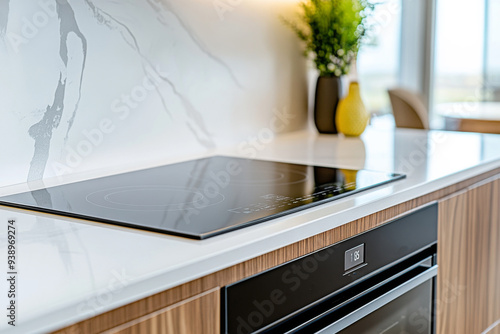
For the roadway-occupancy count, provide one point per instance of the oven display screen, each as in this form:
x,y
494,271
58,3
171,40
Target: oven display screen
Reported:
x,y
354,257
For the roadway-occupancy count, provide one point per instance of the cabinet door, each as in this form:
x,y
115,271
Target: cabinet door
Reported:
x,y
468,289
200,315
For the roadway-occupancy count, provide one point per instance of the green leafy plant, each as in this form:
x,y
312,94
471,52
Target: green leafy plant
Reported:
x,y
333,31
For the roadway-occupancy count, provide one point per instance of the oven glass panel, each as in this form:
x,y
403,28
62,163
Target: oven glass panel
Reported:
x,y
410,313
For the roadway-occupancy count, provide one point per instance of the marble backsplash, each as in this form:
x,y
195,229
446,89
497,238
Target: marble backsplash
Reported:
x,y
95,83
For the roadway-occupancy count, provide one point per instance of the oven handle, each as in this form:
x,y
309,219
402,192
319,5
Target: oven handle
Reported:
x,y
377,303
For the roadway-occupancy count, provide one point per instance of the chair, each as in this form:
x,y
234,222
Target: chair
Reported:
x,y
408,109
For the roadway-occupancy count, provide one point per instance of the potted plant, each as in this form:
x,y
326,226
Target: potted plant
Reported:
x,y
332,31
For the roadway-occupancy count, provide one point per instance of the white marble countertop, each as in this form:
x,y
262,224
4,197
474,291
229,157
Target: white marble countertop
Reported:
x,y
70,270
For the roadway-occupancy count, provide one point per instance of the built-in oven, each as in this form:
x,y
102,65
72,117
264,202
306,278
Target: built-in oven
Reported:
x,y
381,281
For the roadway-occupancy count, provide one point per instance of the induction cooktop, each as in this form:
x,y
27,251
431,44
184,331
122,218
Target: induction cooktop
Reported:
x,y
200,198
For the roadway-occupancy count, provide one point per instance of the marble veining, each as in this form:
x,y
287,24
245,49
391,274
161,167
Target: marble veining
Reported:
x,y
163,7
156,73
41,132
129,37
68,24
197,126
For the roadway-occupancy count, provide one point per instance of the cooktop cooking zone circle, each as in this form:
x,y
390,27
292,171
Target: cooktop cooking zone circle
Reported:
x,y
154,198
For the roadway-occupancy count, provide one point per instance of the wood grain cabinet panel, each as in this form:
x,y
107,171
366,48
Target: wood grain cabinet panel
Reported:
x,y
468,290
200,315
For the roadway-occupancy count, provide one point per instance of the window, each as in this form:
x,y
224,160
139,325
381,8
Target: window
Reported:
x,y
459,50
467,51
492,51
378,62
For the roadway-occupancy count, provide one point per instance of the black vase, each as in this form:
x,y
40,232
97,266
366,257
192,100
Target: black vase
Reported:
x,y
328,94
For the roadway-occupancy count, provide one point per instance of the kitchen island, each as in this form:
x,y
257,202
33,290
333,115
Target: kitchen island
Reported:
x,y
78,276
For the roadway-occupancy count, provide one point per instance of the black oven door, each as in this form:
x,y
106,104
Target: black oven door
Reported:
x,y
381,281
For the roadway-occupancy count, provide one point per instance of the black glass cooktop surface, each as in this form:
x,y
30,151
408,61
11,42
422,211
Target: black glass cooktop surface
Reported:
x,y
200,198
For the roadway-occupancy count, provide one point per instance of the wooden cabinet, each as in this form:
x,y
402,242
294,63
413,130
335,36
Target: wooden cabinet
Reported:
x,y
468,292
200,314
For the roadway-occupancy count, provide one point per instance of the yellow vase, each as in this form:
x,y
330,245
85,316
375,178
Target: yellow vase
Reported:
x,y
351,177
352,117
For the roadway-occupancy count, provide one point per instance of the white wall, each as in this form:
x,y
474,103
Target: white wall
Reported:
x,y
98,83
